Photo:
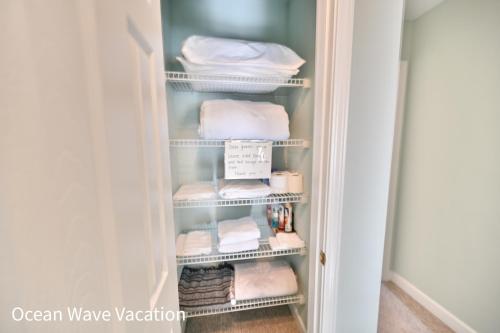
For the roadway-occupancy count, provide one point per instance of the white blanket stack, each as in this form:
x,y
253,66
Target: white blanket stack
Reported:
x,y
243,189
234,57
241,53
223,119
264,279
238,235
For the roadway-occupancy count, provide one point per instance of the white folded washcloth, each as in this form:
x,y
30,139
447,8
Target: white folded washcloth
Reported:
x,y
196,191
223,119
264,279
224,51
236,231
240,246
243,189
194,243
284,241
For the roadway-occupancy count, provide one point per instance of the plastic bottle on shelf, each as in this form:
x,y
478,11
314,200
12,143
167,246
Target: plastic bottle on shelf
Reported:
x,y
269,215
275,219
288,217
281,218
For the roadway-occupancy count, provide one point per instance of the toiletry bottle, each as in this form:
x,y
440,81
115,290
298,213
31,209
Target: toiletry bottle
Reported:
x,y
275,221
288,217
281,218
269,215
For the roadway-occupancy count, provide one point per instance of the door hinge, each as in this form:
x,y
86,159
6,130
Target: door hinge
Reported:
x,y
322,258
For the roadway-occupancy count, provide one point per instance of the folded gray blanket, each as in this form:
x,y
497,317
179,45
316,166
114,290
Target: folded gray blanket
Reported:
x,y
206,286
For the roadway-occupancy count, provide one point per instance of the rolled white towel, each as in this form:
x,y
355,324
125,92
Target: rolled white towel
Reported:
x,y
223,119
264,279
236,231
240,246
243,189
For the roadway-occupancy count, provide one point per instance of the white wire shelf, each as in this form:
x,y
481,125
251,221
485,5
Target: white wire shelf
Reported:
x,y
200,143
182,81
269,200
245,305
264,250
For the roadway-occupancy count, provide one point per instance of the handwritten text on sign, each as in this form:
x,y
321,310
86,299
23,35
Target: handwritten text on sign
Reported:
x,y
247,159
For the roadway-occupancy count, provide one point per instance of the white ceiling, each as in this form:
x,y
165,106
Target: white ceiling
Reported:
x,y
416,8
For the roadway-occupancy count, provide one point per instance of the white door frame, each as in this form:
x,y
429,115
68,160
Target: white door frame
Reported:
x,y
334,35
393,189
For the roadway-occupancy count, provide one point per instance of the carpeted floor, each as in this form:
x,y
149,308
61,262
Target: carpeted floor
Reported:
x,y
399,313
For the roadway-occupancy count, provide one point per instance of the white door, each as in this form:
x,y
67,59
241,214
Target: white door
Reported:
x,y
85,205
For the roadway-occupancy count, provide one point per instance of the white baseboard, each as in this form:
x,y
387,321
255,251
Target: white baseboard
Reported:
x,y
432,306
295,313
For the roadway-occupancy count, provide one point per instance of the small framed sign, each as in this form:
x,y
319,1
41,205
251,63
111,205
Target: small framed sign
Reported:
x,y
247,159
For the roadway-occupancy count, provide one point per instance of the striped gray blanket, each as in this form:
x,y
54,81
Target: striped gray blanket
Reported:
x,y
206,286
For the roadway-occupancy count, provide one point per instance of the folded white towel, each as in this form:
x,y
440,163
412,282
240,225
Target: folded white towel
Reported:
x,y
179,244
223,119
284,241
240,246
264,279
243,189
236,231
225,51
196,191
195,243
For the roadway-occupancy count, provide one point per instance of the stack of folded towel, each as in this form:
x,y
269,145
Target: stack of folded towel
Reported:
x,y
223,119
285,241
206,286
223,56
263,279
196,191
194,243
243,189
240,55
238,235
